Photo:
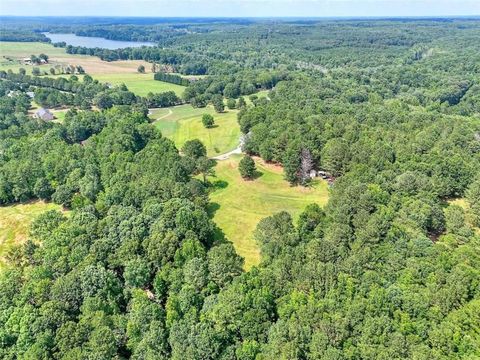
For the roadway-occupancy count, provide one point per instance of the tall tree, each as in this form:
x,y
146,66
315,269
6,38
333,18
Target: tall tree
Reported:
x,y
246,167
306,165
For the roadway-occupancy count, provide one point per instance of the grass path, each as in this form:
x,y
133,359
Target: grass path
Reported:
x,y
238,205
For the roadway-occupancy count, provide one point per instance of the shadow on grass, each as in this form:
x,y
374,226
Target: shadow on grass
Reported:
x,y
257,174
219,236
212,208
219,184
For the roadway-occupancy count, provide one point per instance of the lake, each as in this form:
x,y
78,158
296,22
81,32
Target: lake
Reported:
x,y
92,42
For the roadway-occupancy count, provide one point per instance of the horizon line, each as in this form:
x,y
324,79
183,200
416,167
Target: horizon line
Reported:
x,y
251,17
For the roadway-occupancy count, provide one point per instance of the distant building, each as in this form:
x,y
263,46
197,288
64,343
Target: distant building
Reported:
x,y
30,94
27,61
323,174
44,114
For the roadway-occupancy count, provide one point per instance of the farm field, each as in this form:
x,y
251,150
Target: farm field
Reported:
x,y
183,123
57,56
15,221
115,72
238,205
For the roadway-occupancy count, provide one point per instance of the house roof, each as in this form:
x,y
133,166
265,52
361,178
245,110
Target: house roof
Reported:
x,y
42,112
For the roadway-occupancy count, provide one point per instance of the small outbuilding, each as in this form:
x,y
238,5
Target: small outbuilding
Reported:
x,y
44,114
323,174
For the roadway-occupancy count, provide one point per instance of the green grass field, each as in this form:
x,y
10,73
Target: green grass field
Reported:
x,y
140,84
238,205
15,221
25,49
183,123
114,72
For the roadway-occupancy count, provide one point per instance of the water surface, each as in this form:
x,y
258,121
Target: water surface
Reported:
x,y
92,42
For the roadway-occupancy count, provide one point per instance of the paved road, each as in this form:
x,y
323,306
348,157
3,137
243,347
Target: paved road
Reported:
x,y
237,150
225,156
170,112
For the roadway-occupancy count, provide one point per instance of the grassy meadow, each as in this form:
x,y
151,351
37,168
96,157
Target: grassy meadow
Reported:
x,y
238,205
15,221
184,122
140,84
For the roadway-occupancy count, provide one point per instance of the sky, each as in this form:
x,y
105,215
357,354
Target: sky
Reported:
x,y
240,8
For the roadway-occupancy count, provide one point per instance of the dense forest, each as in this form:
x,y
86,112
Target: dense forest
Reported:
x,y
389,269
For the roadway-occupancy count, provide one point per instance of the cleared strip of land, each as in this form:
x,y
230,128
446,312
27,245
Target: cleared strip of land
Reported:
x,y
238,205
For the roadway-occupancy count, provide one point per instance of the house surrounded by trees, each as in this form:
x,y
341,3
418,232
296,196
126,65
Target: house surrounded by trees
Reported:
x,y
44,114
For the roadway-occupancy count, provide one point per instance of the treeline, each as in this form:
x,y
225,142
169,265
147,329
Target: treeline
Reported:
x,y
53,92
243,83
171,78
147,53
165,99
22,35
181,61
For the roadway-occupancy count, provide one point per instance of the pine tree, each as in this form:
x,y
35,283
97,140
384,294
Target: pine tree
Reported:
x,y
246,167
306,165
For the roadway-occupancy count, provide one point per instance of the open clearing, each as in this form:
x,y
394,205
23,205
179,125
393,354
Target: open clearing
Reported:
x,y
114,72
140,84
15,221
238,205
184,122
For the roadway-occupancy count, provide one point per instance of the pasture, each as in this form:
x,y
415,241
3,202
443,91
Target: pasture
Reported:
x,y
184,122
238,205
140,84
114,72
15,221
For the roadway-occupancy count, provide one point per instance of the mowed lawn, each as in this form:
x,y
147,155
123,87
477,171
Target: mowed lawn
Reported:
x,y
184,122
114,72
238,205
15,221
